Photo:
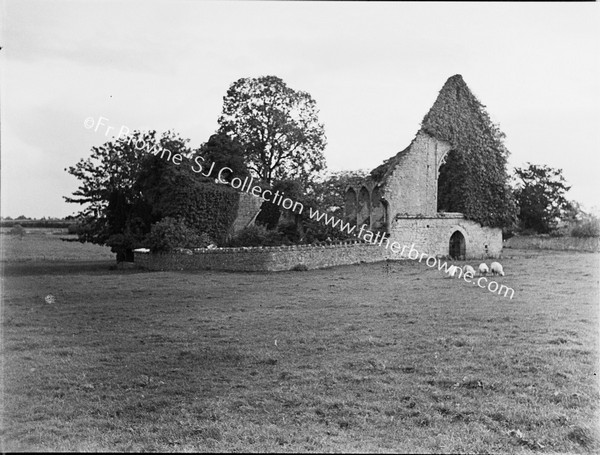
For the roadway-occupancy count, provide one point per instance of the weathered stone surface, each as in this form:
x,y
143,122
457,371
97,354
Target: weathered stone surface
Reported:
x,y
406,208
248,207
432,236
411,187
271,259
408,200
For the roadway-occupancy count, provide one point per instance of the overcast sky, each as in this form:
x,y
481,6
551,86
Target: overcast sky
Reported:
x,y
373,69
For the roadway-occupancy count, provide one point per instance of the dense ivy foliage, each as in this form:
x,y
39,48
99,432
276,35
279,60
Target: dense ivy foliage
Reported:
x,y
473,180
125,189
224,151
205,206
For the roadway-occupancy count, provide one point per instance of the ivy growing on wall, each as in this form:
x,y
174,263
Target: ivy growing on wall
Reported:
x,y
129,185
473,179
177,192
207,207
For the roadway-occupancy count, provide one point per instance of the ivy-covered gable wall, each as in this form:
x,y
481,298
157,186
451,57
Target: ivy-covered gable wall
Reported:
x,y
473,179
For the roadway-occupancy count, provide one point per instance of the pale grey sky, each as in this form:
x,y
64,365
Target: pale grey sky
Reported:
x,y
374,70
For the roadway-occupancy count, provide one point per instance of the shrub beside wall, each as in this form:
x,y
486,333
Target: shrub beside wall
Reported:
x,y
170,233
257,236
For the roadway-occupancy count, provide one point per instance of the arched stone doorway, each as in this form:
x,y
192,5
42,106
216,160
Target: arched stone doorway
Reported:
x,y
457,249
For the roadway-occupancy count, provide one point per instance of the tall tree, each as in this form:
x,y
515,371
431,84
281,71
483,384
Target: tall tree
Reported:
x,y
541,197
473,179
224,152
277,126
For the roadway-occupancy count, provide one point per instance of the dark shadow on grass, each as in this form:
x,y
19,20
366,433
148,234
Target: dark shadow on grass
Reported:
x,y
37,268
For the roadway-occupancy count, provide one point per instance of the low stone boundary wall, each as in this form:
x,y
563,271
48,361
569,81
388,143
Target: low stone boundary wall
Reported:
x,y
538,242
263,259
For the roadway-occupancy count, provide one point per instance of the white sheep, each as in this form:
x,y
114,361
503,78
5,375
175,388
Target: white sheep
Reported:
x,y
468,269
483,269
452,271
496,268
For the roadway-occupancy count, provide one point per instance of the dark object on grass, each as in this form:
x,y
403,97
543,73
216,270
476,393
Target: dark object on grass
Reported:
x,y
17,229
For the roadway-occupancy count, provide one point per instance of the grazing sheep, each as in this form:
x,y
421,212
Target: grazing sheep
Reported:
x,y
468,269
452,271
483,269
496,268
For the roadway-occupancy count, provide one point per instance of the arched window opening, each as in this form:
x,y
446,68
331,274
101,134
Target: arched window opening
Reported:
x,y
350,206
364,207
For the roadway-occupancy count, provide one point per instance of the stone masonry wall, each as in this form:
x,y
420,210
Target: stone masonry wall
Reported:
x,y
248,207
254,259
429,235
432,235
412,187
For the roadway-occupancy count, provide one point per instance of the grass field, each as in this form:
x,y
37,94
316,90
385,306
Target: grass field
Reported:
x,y
41,244
356,358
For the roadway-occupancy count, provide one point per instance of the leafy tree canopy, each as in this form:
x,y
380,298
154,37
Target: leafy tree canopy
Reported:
x,y
277,126
540,194
115,212
224,152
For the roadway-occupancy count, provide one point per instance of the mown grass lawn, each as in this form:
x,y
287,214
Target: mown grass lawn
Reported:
x,y
357,358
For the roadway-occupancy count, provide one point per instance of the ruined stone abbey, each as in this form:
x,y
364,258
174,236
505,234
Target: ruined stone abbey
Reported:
x,y
399,199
